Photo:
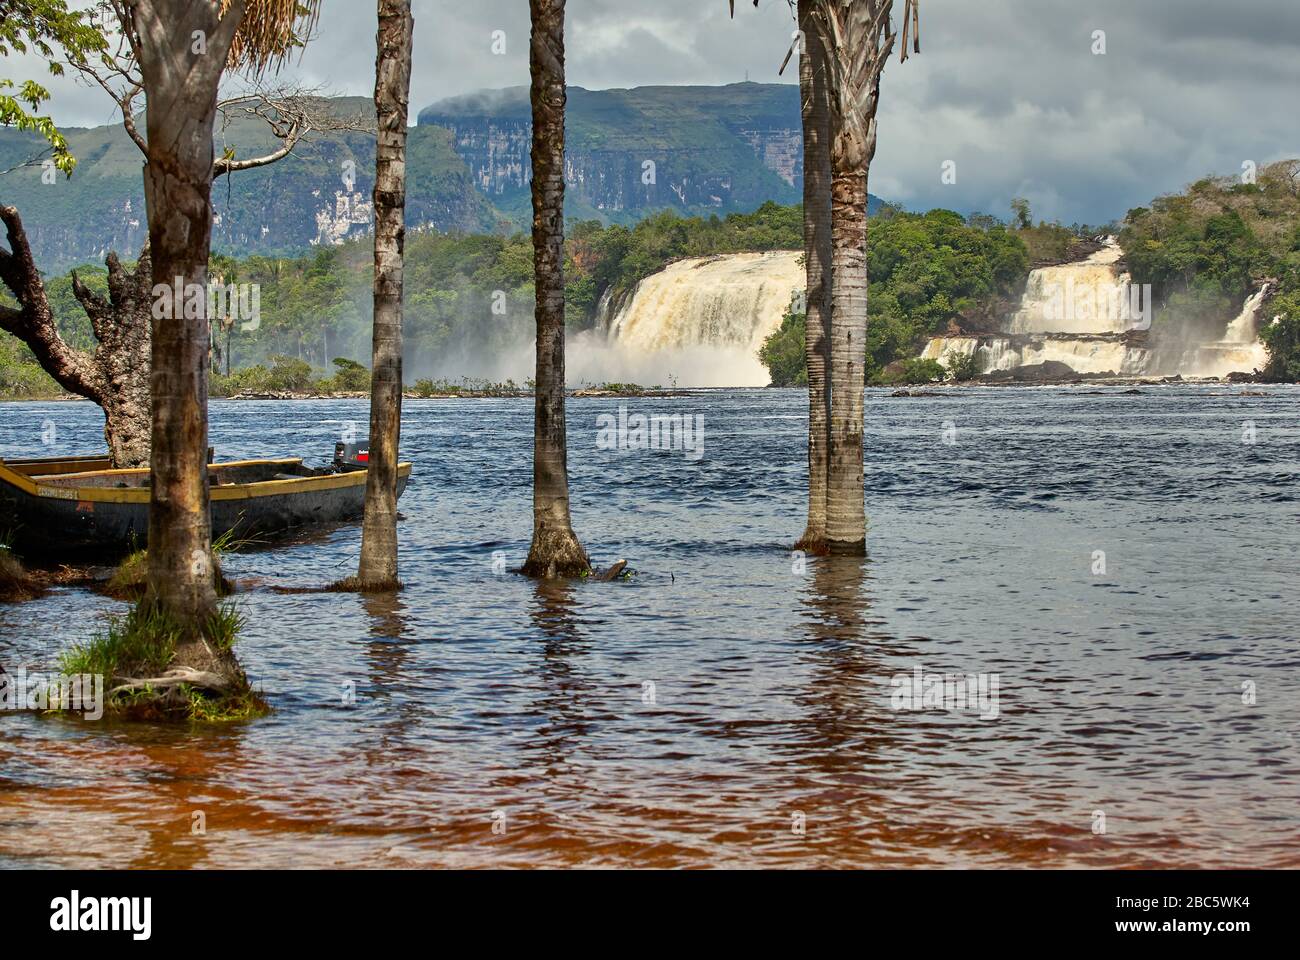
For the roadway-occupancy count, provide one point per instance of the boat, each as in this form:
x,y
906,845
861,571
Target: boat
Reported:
x,y
79,507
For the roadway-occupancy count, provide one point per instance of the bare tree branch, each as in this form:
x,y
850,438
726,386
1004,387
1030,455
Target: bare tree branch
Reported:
x,y
292,114
33,322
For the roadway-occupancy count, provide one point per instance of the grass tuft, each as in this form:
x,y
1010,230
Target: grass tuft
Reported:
x,y
131,577
16,584
143,643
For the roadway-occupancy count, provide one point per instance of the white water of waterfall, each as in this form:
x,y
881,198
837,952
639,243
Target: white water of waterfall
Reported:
x,y
1088,297
1075,314
1083,355
1238,351
697,322
1243,328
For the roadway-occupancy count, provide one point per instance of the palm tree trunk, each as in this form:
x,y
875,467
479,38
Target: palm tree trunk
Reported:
x,y
858,38
813,80
181,92
846,518
378,567
555,550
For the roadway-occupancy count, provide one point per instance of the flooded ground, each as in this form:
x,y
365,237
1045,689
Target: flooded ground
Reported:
x,y
1126,565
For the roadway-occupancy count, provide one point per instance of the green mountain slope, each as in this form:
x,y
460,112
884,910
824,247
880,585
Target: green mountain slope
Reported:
x,y
308,198
712,149
631,153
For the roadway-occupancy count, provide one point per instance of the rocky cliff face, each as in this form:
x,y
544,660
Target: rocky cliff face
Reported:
x,y
699,150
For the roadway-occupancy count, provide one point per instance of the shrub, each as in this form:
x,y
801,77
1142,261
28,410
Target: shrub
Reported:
x,y
911,371
289,373
963,366
350,376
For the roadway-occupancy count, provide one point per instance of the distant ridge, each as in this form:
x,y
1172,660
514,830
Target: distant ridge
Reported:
x,y
714,149
631,153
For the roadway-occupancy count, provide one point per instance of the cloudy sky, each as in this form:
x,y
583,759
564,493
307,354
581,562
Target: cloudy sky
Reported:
x,y
1011,91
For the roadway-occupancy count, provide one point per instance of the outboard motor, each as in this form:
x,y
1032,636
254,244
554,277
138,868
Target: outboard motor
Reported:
x,y
352,456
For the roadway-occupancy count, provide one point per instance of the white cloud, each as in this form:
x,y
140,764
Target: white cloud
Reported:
x,y
1007,88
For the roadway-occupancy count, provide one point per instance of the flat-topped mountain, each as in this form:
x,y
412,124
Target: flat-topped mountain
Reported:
x,y
630,153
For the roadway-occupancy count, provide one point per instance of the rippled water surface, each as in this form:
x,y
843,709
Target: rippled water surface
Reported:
x,y
484,698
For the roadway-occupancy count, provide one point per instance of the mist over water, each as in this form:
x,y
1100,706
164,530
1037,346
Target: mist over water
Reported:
x,y
477,692
698,322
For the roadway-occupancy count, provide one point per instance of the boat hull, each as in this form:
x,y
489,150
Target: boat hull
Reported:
x,y
76,507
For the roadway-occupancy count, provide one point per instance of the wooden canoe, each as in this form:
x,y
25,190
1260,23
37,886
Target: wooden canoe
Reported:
x,y
78,507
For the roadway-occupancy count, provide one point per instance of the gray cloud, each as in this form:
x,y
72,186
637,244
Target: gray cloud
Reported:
x,y
1007,89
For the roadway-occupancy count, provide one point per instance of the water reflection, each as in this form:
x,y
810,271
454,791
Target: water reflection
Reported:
x,y
563,691
187,782
478,692
387,613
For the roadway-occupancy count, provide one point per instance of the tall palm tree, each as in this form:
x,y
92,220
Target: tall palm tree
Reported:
x,y
858,36
813,81
183,48
555,550
378,567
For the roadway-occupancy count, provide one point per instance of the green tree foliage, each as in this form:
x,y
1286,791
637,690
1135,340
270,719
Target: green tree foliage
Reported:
x,y
926,270
783,352
1282,338
39,26
912,370
21,377
1020,210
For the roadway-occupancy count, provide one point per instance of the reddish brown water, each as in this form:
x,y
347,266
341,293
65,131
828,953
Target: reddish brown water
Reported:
x,y
485,700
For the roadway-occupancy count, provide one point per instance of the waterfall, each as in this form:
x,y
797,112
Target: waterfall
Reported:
x,y
1078,314
703,320
1090,296
1244,329
1238,351
1087,355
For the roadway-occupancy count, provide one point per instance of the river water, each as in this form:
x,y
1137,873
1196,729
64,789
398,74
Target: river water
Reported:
x,y
730,705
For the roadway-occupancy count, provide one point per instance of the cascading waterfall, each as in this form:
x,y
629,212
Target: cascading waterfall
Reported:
x,y
701,322
1239,350
698,322
1086,355
1079,314
1244,328
1089,297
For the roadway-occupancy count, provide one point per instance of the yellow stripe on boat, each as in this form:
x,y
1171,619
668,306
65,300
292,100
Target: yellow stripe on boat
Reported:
x,y
232,491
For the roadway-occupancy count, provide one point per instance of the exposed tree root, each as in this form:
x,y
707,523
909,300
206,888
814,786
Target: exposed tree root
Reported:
x,y
175,678
614,571
813,544
556,554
